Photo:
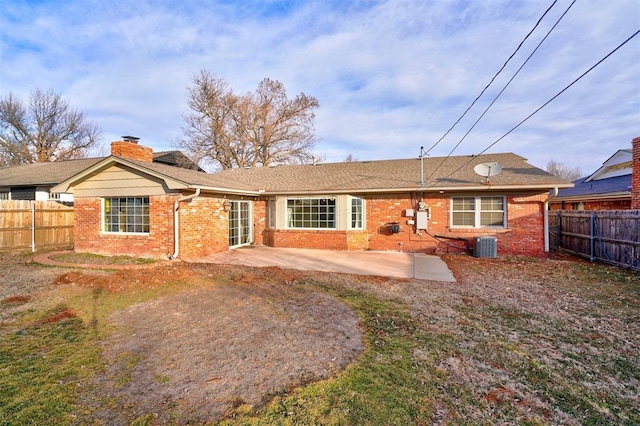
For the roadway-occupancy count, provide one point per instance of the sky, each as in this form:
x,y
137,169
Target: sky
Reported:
x,y
391,76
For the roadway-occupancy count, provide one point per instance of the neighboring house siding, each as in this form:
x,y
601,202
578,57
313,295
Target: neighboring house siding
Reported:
x,y
592,205
24,193
635,180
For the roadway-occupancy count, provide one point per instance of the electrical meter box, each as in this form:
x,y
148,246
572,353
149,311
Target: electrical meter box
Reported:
x,y
421,219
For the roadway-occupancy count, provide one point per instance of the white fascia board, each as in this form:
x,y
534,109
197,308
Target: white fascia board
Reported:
x,y
226,190
510,188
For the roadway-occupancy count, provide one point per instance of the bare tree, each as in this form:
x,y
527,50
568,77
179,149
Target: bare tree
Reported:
x,y
255,129
47,129
563,171
350,158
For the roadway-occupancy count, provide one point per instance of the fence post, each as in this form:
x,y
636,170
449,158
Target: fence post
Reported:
x,y
592,237
560,240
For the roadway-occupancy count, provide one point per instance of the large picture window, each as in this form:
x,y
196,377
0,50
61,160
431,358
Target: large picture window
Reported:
x,y
478,212
314,213
126,214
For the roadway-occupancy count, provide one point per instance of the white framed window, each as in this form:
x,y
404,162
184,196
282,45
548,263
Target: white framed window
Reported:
x,y
478,212
357,213
5,195
126,214
271,212
311,213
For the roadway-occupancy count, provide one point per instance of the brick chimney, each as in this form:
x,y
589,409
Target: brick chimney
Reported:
x,y
635,175
128,148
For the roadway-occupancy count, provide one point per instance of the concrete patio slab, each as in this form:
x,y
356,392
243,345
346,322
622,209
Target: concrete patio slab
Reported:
x,y
389,264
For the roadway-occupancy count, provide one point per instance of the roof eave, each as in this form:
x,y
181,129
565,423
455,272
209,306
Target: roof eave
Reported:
x,y
475,188
598,197
223,190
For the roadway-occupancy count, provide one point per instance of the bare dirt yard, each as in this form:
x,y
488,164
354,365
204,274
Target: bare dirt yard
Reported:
x,y
516,340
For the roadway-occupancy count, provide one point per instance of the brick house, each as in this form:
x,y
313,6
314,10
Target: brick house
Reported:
x,y
128,204
611,187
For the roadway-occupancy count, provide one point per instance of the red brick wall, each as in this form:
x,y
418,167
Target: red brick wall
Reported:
x,y
316,239
260,234
635,177
523,236
381,210
131,150
89,238
204,229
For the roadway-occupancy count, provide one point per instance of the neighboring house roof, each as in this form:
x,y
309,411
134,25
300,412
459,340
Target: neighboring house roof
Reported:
x,y
618,164
43,173
175,158
611,181
609,188
452,173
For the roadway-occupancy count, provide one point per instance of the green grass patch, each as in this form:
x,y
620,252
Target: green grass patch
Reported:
x,y
42,365
47,356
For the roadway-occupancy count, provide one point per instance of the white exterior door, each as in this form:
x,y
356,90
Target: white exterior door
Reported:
x,y
240,226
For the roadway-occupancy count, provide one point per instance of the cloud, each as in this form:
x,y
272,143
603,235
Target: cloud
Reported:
x,y
390,76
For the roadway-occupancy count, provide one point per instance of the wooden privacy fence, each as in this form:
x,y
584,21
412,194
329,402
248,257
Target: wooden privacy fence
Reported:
x,y
611,236
35,225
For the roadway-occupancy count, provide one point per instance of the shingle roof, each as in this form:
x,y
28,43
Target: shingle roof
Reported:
x,y
453,173
175,158
44,173
393,175
619,185
193,178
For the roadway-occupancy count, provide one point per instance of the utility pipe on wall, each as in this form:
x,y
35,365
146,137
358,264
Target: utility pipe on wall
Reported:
x,y
552,194
176,222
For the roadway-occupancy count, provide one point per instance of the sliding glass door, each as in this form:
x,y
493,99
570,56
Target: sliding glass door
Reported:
x,y
240,229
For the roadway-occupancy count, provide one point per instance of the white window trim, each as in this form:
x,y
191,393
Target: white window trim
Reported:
x,y
477,212
103,221
327,197
363,213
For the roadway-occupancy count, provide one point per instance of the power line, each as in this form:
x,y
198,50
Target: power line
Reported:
x,y
502,91
549,101
494,77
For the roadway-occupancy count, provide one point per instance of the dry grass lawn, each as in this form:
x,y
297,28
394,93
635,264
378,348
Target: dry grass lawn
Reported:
x,y
515,341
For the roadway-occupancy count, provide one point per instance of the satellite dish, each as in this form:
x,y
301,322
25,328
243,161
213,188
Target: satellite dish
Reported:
x,y
487,170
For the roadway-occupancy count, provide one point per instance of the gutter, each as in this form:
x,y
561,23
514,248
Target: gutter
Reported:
x,y
552,194
434,190
176,222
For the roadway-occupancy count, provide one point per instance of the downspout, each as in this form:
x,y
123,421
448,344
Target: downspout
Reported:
x,y
176,222
553,194
33,226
